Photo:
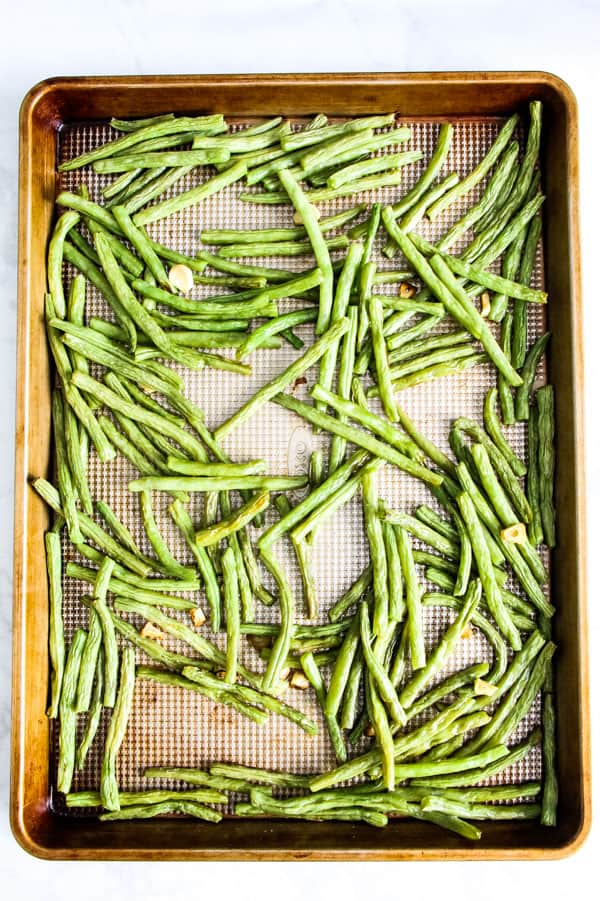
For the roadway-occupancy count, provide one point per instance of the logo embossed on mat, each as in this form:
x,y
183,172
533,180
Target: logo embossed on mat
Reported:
x,y
300,447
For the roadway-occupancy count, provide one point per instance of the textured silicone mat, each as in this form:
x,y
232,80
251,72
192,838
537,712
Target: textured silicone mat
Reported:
x,y
172,727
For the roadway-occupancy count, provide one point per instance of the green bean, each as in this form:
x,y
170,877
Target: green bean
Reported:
x,y
134,309
128,125
197,323
535,531
232,613
121,532
130,263
93,531
507,405
75,447
159,127
388,276
342,668
254,774
396,340
279,248
415,213
311,224
494,430
146,811
494,792
423,736
251,236
149,190
506,513
382,366
429,174
286,632
493,195
142,244
509,550
445,647
206,483
351,691
394,571
98,279
101,349
522,704
287,377
369,183
94,715
125,446
369,167
313,674
383,732
159,545
302,556
155,158
317,136
142,798
79,244
353,594
66,488
377,550
473,777
483,624
545,426
147,181
183,521
550,790
197,777
425,533
413,600
505,474
67,713
117,189
486,572
140,414
55,257
370,421
377,671
109,640
56,640
240,518
445,287
188,198
340,309
273,327
347,356
480,170
252,696
90,210
424,345
519,336
359,438
510,267
454,682
528,372
239,269
88,666
215,470
480,811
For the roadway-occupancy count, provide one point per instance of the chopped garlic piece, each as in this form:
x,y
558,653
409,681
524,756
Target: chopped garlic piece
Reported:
x,y
481,687
197,617
181,278
299,680
467,632
151,631
516,534
407,290
485,305
298,218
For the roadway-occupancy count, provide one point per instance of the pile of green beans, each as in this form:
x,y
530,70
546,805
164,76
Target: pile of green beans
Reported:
x,y
436,735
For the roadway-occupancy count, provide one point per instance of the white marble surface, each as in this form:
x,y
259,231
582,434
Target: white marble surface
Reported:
x,y
62,37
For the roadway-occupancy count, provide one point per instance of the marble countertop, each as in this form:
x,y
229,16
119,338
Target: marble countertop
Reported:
x,y
40,39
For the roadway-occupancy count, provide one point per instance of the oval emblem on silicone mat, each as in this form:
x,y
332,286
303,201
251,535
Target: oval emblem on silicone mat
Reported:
x,y
300,447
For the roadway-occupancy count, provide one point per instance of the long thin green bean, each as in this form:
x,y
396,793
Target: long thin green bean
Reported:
x,y
56,640
67,713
